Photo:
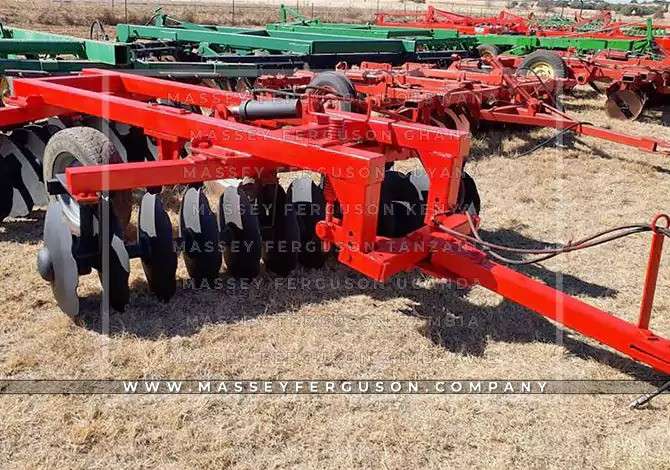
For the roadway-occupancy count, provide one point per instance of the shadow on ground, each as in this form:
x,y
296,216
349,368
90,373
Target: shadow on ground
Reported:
x,y
26,230
451,321
492,138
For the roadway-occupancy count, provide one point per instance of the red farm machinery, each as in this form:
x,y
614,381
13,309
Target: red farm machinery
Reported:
x,y
630,82
376,220
504,22
629,65
461,97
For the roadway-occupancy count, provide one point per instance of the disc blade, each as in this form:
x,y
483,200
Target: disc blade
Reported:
x,y
58,241
625,105
114,277
24,178
240,234
281,233
419,178
28,140
400,208
58,122
310,207
160,263
200,233
40,130
152,147
6,192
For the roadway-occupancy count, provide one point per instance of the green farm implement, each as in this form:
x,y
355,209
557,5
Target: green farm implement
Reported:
x,y
317,48
515,44
32,53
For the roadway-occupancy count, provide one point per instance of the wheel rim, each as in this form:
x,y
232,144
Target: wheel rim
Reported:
x,y
543,70
69,206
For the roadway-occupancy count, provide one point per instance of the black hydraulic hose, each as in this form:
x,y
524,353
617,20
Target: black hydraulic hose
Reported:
x,y
552,138
591,241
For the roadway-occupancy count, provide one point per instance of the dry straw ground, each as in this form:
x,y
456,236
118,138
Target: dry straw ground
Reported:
x,y
424,331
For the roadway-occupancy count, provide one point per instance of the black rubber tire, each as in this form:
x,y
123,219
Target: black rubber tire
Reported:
x,y
400,208
339,83
488,50
281,232
560,69
89,147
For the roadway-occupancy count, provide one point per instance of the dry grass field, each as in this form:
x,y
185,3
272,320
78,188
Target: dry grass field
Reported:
x,y
412,328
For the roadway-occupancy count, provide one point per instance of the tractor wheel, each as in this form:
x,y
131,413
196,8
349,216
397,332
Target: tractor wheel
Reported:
x,y
83,146
488,50
546,65
326,83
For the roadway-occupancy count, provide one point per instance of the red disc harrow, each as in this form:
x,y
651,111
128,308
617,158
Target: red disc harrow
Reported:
x,y
255,139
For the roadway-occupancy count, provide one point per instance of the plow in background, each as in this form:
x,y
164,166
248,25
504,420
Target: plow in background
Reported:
x,y
633,71
630,83
630,71
459,98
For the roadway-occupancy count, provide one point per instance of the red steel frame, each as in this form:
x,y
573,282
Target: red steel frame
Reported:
x,y
647,76
642,74
505,22
509,23
485,95
350,149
